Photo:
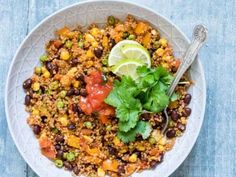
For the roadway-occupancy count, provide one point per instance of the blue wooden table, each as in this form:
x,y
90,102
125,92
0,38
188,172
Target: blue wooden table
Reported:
x,y
214,154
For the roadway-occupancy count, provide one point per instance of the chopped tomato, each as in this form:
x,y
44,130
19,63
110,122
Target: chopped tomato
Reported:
x,y
97,91
47,147
85,105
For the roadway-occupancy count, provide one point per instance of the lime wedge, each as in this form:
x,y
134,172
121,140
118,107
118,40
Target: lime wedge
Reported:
x,y
127,67
116,54
136,51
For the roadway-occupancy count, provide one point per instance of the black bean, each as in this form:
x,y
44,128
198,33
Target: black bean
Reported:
x,y
102,132
121,168
31,93
68,166
80,77
112,42
71,126
98,52
54,69
27,100
169,111
174,115
60,139
36,129
43,119
27,84
48,66
145,116
111,150
80,111
76,92
152,51
181,127
75,108
74,62
42,88
187,99
187,112
83,92
170,133
76,170
138,153
153,163
139,137
59,154
70,92
57,146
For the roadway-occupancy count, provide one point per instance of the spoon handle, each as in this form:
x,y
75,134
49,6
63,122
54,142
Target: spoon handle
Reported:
x,y
199,38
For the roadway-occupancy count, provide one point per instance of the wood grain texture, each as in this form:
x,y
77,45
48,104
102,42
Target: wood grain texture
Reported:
x,y
214,154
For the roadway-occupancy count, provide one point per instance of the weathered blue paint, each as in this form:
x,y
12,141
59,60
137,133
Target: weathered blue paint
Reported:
x,y
214,154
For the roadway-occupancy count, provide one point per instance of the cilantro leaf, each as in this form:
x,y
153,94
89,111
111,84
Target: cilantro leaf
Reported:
x,y
127,137
144,128
126,112
157,100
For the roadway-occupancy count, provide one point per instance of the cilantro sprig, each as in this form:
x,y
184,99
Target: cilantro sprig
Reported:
x,y
131,97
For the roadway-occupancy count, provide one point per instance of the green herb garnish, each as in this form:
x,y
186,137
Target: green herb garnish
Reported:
x,y
131,97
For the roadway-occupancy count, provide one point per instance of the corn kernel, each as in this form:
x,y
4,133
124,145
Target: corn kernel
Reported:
x,y
89,53
133,158
63,120
36,86
105,42
101,172
43,69
64,54
76,84
89,38
156,134
165,65
160,52
95,32
116,141
140,147
35,111
162,141
152,140
163,42
46,74
183,120
72,71
95,44
89,64
161,148
38,70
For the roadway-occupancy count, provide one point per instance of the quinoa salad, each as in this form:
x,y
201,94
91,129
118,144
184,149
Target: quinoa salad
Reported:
x,y
96,102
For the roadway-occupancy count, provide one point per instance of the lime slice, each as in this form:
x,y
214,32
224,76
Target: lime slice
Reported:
x,y
136,51
116,54
127,67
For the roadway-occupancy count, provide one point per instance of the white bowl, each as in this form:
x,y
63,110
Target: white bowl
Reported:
x,y
26,58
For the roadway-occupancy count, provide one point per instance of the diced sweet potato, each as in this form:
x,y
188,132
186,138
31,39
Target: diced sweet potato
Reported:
x,y
73,141
63,31
147,39
141,28
111,165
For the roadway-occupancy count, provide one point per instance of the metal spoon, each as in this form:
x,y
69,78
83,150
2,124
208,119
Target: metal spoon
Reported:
x,y
199,38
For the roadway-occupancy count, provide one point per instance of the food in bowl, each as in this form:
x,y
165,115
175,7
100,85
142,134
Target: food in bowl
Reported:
x,y
95,104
